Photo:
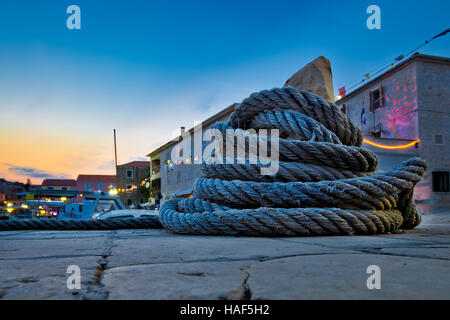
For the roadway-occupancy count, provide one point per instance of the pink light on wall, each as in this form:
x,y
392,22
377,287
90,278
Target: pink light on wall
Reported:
x,y
398,118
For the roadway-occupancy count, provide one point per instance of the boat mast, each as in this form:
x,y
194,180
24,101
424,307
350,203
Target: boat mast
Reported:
x,y
115,160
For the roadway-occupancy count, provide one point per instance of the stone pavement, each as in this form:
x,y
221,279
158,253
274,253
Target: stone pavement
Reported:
x,y
155,264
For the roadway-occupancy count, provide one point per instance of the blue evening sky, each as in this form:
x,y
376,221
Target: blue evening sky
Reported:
x,y
149,67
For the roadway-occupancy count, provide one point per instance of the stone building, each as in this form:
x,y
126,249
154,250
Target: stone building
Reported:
x,y
177,179
96,182
404,113
130,176
59,184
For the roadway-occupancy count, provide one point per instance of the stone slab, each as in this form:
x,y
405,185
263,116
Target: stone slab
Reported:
x,y
345,277
206,280
156,264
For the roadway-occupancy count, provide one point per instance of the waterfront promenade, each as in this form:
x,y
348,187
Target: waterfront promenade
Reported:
x,y
156,264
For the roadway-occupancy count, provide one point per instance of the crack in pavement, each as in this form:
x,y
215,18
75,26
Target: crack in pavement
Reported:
x,y
243,292
51,257
254,259
95,289
377,251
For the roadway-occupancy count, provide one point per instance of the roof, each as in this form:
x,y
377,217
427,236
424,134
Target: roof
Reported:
x,y
136,164
96,178
210,120
59,183
416,56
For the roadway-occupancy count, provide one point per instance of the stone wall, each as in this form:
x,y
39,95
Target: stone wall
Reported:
x,y
425,84
433,86
139,173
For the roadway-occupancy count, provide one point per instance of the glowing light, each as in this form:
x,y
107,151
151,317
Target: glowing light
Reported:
x,y
391,147
63,199
113,192
10,210
25,206
42,211
9,204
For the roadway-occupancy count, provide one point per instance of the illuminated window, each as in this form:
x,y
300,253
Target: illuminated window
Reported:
x,y
376,99
440,181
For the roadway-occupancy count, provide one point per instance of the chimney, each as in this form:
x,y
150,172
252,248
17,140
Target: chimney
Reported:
x,y
182,129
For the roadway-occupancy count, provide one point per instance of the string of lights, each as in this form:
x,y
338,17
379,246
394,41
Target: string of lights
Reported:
x,y
391,64
383,146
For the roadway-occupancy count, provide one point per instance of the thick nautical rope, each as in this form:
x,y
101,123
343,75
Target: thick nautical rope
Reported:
x,y
77,224
326,183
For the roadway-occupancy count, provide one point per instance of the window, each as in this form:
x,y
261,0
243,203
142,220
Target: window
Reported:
x,y
344,108
129,173
129,186
129,202
87,187
440,181
64,188
100,186
104,206
438,139
376,99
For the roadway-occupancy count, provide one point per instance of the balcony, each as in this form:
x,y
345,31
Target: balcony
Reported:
x,y
155,172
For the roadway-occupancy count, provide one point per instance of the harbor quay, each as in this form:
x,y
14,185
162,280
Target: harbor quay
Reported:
x,y
156,264
218,159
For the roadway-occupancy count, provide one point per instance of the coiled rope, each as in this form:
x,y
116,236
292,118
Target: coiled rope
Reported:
x,y
326,183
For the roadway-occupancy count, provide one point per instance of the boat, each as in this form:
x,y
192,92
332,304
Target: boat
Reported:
x,y
98,206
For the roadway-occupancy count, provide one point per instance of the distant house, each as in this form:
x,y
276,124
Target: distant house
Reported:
x,y
59,184
96,182
130,176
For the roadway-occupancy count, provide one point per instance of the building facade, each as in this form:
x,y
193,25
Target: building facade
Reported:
x,y
404,113
59,184
95,182
130,177
173,179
